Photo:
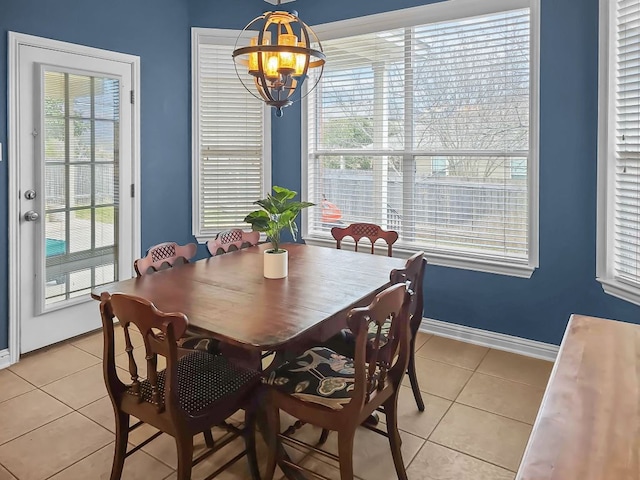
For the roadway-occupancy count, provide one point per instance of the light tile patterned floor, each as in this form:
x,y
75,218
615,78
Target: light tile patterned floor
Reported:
x,y
56,421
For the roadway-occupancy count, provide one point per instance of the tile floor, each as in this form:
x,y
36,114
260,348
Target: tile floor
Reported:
x,y
56,421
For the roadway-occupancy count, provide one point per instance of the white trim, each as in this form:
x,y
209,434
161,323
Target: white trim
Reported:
x,y
498,341
216,36
441,259
533,165
621,290
14,41
434,13
408,17
5,358
606,188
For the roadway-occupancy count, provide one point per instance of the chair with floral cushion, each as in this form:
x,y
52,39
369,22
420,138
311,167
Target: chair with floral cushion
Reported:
x,y
335,392
232,240
371,231
195,392
413,275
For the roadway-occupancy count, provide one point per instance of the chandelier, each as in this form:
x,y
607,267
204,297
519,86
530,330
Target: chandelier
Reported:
x,y
278,58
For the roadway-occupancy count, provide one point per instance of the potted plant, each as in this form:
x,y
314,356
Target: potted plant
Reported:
x,y
279,211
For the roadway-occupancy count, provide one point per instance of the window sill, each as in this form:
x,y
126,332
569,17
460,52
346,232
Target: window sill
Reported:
x,y
620,290
443,260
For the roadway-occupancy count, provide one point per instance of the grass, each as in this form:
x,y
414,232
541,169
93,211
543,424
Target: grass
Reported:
x,y
103,215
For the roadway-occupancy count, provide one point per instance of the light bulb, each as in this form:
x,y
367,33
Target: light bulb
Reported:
x,y
287,58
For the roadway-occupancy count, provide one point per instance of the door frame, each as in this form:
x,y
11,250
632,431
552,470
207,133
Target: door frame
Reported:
x,y
16,40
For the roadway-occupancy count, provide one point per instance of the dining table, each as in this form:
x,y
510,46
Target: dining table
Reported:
x,y
228,298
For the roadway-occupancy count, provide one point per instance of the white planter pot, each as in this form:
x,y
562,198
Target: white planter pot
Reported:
x,y
276,265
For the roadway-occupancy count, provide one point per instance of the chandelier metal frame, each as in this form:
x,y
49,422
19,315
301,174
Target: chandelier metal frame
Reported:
x,y
279,69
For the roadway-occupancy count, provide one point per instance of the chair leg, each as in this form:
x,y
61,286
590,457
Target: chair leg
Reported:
x,y
208,439
184,446
250,442
345,454
273,428
413,378
122,436
391,409
323,436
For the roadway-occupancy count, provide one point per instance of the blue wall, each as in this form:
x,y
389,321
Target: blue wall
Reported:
x,y
157,31
536,308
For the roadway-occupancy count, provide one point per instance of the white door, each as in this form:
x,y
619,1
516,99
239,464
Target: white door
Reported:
x,y
75,189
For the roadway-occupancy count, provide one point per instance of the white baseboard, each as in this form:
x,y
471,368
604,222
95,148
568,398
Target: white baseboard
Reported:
x,y
499,341
5,358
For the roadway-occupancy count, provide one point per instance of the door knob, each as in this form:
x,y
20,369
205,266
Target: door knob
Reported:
x,y
31,216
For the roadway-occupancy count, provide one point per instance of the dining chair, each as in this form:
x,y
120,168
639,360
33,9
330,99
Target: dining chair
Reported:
x,y
413,275
167,255
195,392
358,231
232,240
335,392
164,255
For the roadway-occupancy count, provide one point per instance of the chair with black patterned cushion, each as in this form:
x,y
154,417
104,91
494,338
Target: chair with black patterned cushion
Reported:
x,y
231,240
413,275
167,255
195,392
371,231
326,389
164,255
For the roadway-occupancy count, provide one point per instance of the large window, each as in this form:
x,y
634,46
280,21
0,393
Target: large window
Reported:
x,y
429,128
231,148
618,266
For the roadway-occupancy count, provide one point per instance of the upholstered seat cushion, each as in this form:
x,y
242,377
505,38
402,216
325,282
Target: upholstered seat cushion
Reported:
x,y
319,375
345,342
202,343
204,379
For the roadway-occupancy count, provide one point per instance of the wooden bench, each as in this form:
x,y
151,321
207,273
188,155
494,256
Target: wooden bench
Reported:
x,y
588,426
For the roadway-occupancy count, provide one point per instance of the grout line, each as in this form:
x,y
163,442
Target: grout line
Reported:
x,y
447,364
21,378
78,461
512,380
472,456
8,470
40,426
64,376
482,360
493,413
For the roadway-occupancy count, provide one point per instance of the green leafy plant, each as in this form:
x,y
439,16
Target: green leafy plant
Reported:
x,y
279,211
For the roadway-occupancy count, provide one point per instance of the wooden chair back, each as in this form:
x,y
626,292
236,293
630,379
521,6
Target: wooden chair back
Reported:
x,y
380,364
232,240
160,332
413,275
164,255
358,231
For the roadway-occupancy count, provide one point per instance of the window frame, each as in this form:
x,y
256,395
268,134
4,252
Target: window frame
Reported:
x,y
434,13
606,187
215,36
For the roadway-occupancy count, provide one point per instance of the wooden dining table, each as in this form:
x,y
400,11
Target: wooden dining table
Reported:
x,y
228,298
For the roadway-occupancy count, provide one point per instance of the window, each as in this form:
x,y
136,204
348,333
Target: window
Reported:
x,y
231,148
418,127
618,262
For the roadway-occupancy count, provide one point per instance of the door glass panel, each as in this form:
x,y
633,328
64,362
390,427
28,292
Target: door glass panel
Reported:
x,y
81,125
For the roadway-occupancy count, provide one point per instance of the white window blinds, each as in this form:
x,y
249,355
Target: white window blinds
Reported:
x,y
425,130
230,162
627,142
